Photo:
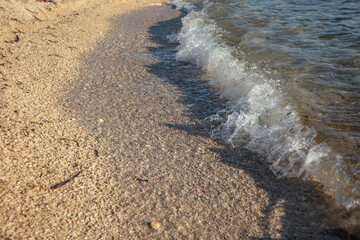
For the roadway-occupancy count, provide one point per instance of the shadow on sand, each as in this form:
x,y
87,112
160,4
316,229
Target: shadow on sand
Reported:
x,y
306,209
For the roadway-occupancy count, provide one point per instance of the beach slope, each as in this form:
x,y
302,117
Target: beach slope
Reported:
x,y
104,135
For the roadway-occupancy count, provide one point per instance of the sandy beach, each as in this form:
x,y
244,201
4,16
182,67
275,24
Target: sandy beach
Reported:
x,y
103,135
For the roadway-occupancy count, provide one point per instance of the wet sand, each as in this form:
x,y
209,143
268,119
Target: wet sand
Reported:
x,y
104,135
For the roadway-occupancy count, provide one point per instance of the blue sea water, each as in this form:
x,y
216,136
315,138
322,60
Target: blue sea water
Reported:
x,y
290,74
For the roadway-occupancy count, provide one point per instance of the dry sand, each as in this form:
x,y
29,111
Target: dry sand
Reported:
x,y
103,135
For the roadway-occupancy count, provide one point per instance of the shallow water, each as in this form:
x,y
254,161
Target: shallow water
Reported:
x,y
290,73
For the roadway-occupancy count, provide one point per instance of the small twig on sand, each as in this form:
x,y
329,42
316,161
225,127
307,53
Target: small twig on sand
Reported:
x,y
142,180
64,182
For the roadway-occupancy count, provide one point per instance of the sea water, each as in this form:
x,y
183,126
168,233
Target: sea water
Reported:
x,y
290,74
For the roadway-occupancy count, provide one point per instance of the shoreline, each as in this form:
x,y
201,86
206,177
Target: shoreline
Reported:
x,y
103,138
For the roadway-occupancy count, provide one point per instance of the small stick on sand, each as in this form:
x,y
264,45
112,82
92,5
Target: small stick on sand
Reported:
x,y
64,182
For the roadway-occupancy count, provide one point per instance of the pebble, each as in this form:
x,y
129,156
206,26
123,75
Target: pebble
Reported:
x,y
155,225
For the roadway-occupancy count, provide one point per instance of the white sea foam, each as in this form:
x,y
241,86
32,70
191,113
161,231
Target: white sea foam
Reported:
x,y
259,116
